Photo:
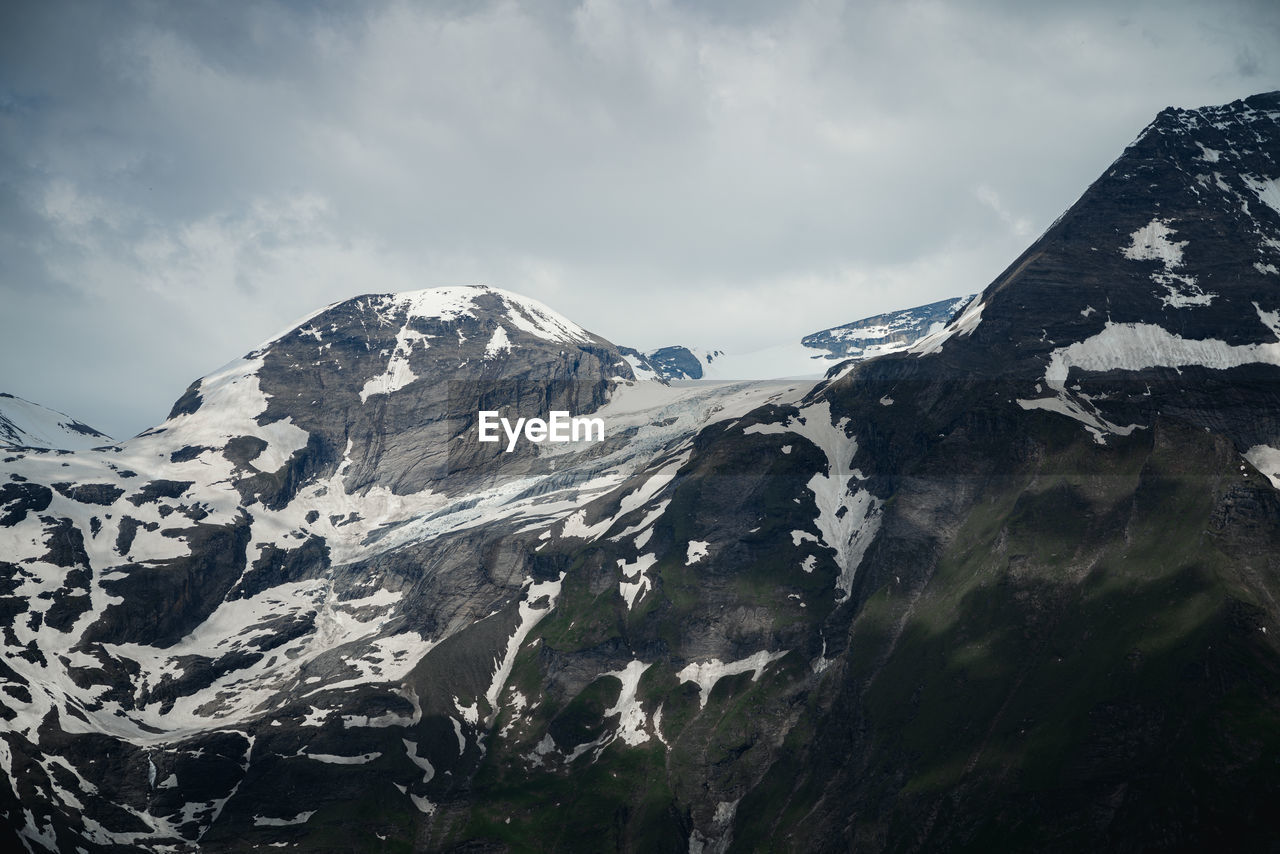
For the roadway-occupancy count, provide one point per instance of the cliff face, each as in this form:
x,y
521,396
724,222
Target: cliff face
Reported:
x,y
1014,587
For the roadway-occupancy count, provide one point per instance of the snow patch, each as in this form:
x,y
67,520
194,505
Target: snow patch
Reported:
x,y
1152,243
1065,404
499,343
641,370
471,713
398,373
798,537
1209,155
631,717
635,582
539,601
1265,459
1266,189
848,516
696,551
1135,347
331,759
644,524
424,806
300,818
707,673
411,751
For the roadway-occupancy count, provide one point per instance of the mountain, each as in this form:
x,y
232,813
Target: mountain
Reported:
x,y
811,357
886,333
1013,587
24,424
289,571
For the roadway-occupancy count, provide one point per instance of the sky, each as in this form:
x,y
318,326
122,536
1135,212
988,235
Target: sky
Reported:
x,y
180,181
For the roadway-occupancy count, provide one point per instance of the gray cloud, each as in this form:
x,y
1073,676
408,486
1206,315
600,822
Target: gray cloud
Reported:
x,y
178,181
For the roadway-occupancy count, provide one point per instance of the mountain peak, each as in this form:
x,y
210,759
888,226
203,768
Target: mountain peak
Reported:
x,y
453,302
1263,107
1139,298
387,386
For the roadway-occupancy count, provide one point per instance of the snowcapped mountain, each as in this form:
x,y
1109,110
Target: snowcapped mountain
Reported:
x,y
811,357
886,333
1010,586
286,549
24,424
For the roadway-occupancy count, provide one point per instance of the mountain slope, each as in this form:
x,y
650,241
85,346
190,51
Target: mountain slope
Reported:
x,y
1062,638
1035,558
207,602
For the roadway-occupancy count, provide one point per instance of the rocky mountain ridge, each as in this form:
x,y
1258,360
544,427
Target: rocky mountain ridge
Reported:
x,y
810,357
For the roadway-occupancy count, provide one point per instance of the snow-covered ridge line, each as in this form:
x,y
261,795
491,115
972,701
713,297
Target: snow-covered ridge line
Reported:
x,y
24,424
962,326
899,323
450,303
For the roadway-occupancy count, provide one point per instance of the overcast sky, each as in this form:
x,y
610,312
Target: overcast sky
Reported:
x,y
178,181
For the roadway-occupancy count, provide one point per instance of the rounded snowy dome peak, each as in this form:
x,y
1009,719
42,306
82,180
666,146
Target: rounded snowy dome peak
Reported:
x,y
524,313
453,302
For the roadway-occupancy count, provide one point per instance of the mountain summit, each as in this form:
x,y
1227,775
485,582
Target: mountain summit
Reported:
x,y
383,384
1010,587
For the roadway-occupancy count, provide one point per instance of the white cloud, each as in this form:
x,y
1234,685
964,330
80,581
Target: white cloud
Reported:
x,y
1020,226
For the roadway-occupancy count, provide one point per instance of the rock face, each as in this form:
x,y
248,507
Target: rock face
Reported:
x,y
389,385
670,363
1011,588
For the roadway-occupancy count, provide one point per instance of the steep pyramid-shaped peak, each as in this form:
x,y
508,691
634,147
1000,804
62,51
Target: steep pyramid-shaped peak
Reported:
x,y
1157,287
1182,232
